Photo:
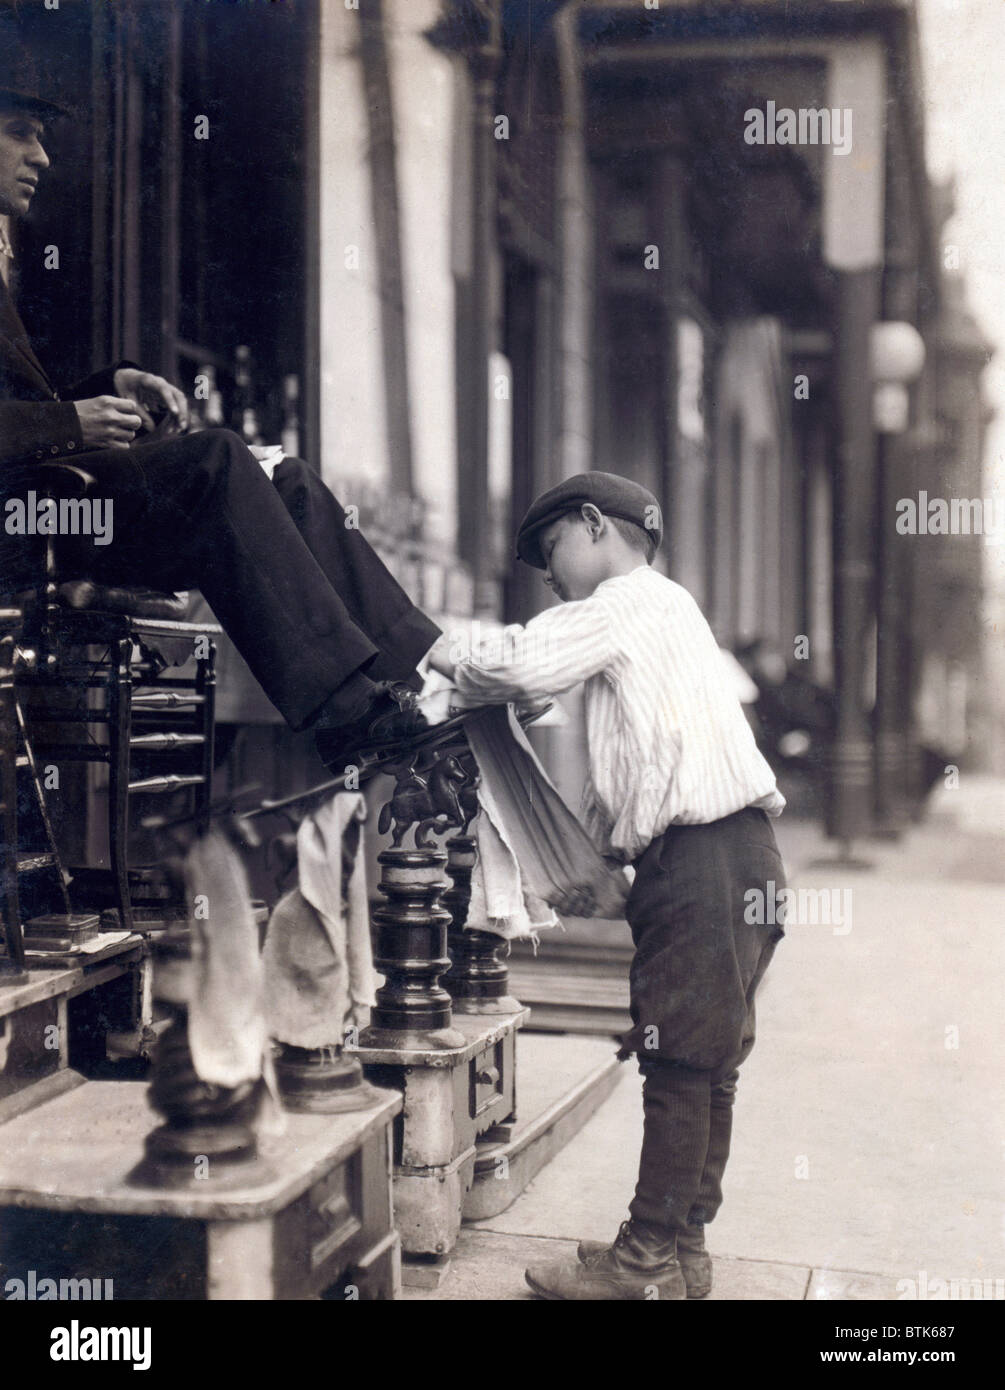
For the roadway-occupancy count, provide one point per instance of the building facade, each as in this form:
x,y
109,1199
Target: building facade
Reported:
x,y
471,247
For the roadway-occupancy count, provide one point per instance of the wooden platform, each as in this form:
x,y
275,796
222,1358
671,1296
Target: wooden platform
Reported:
x,y
75,1153
561,1082
35,1017
313,1209
453,1092
68,977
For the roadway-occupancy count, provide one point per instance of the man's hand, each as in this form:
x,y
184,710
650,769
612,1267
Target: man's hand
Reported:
x,y
108,422
147,392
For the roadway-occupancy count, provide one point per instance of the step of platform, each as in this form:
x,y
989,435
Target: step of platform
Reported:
x,y
561,1081
581,997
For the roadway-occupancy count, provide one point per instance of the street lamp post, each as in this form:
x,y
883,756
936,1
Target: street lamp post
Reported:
x,y
897,359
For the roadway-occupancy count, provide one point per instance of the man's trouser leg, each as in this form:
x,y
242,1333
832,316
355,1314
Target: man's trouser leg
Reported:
x,y
375,601
697,967
200,512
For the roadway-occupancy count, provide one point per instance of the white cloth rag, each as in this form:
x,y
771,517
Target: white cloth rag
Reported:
x,y
554,853
500,901
227,1032
317,958
226,1024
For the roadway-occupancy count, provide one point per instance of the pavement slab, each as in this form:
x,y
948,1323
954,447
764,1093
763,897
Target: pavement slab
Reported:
x,y
583,1193
488,1266
870,1117
844,1285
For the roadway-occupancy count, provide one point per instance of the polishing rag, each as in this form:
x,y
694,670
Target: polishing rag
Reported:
x,y
500,901
317,956
556,856
226,1023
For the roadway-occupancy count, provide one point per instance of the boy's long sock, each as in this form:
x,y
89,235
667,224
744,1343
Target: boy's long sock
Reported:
x,y
720,1128
675,1143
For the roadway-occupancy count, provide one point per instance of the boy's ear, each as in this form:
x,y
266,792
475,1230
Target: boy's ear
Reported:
x,y
593,517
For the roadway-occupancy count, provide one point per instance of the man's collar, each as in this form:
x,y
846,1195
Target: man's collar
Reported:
x,y
6,250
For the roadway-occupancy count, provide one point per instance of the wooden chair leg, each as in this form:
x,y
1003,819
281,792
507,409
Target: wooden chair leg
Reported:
x,y
206,687
120,694
12,959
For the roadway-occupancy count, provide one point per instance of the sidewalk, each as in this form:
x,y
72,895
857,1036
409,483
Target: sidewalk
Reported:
x,y
870,1118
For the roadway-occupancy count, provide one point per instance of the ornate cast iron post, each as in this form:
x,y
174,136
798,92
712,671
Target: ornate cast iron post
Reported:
x,y
477,980
411,927
207,1136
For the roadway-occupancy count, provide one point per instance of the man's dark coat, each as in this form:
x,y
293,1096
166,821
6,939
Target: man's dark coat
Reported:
x,y
36,420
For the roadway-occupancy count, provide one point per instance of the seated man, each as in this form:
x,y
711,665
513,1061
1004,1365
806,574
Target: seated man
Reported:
x,y
323,625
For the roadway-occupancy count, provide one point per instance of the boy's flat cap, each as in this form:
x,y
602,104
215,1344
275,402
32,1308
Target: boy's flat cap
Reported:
x,y
610,494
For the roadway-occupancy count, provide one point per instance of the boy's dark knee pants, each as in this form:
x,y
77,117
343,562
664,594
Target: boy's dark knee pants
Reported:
x,y
702,916
701,913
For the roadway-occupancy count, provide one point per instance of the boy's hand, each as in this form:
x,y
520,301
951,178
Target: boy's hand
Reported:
x,y
438,657
578,902
535,706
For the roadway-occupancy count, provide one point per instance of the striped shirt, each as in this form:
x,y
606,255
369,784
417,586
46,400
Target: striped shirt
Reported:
x,y
668,740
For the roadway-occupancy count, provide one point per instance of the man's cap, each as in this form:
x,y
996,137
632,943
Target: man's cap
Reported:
x,y
609,493
19,85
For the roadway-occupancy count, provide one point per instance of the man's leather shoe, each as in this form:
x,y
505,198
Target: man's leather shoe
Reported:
x,y
640,1265
694,1259
390,720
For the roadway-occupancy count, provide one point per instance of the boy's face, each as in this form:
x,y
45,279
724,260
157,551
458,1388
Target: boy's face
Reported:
x,y
574,561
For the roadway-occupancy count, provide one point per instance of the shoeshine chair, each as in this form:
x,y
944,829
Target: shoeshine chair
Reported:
x,y
124,661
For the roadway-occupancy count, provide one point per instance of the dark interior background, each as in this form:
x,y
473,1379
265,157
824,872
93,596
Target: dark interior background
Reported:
x,y
166,240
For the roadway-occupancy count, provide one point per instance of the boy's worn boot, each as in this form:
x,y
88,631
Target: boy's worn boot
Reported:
x,y
641,1264
695,1263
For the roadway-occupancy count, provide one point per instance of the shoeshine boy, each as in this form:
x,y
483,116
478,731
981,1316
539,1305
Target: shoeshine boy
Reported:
x,y
678,789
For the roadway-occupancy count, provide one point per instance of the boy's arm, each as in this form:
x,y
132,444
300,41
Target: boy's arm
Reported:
x,y
596,822
555,651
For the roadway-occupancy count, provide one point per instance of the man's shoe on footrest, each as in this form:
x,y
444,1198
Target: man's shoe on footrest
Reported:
x,y
391,720
694,1259
373,743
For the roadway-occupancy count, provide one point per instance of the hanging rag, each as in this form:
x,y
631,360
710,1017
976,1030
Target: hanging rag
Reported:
x,y
227,1033
556,857
500,901
317,957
